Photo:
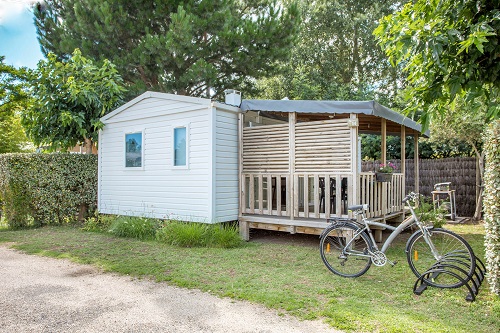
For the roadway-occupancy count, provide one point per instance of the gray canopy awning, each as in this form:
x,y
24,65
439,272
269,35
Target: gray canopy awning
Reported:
x,y
359,107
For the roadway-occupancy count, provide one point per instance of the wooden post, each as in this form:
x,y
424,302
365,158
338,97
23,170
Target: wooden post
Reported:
x,y
278,195
353,197
251,193
384,161
292,118
403,160
306,195
243,225
244,230
415,162
269,195
260,194
316,196
383,145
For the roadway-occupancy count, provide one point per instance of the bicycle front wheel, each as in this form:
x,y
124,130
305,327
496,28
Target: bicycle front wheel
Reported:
x,y
341,255
451,266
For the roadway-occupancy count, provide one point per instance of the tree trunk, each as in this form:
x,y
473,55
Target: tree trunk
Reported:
x,y
88,146
479,183
82,213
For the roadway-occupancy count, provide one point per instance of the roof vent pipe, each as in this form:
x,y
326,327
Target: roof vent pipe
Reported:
x,y
233,97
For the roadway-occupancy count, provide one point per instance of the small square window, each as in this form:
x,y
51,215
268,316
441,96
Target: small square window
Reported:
x,y
133,150
180,146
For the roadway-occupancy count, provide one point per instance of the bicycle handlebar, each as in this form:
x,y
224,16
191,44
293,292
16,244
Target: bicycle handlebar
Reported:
x,y
358,207
410,196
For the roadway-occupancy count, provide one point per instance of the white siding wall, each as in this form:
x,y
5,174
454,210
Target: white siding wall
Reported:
x,y
159,189
226,167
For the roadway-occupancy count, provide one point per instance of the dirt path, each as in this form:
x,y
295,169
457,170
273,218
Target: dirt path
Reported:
x,y
39,294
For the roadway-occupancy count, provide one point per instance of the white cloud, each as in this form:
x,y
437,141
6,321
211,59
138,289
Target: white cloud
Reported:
x,y
9,9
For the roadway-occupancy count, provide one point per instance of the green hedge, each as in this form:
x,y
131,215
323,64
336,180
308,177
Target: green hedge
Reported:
x,y
492,205
39,189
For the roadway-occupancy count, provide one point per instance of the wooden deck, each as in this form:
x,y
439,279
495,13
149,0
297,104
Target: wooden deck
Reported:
x,y
296,174
311,226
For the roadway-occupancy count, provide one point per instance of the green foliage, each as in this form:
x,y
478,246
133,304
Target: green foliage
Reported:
x,y
135,227
199,235
69,100
491,205
336,55
428,215
461,123
187,47
449,50
13,100
225,235
183,234
40,189
98,222
432,148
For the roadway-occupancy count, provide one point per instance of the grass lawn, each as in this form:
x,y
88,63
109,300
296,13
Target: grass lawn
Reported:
x,y
287,277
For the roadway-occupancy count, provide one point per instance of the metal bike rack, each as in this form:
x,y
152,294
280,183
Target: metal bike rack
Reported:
x,y
458,272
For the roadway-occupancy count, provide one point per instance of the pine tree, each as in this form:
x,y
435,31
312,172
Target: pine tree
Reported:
x,y
192,47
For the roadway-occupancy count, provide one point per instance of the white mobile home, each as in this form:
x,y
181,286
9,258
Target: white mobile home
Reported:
x,y
170,156
278,165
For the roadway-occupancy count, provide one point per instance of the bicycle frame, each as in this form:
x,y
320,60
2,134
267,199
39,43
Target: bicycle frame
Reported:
x,y
412,219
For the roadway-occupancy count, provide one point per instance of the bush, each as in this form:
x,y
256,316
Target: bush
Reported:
x,y
428,215
224,235
98,223
491,205
42,189
187,234
183,234
135,227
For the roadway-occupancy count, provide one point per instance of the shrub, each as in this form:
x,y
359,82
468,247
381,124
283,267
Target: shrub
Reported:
x,y
428,215
186,234
46,188
492,204
225,235
135,227
182,234
98,222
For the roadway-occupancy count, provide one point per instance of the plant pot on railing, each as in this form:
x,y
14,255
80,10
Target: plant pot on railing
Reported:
x,y
383,177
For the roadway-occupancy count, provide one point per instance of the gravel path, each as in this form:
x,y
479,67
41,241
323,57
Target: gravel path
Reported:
x,y
39,294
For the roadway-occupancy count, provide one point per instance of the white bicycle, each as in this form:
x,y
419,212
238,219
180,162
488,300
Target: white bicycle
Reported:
x,y
438,256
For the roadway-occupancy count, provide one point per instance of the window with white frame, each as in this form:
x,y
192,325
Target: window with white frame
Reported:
x,y
133,150
180,146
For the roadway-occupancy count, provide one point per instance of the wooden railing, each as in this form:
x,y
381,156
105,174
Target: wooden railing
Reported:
x,y
267,194
383,197
305,194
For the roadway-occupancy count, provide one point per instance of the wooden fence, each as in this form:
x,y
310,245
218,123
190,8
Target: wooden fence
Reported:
x,y
461,172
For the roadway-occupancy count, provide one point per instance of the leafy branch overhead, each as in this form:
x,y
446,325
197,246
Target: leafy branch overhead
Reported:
x,y
69,98
13,100
449,49
196,48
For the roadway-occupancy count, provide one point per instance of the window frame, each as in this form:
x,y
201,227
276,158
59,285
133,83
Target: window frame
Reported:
x,y
174,127
124,142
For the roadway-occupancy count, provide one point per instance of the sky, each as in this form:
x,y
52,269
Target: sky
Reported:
x,y
18,41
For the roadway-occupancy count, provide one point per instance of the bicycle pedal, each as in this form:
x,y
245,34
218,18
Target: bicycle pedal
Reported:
x,y
393,263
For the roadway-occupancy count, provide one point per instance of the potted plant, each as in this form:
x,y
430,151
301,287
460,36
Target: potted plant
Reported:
x,y
384,173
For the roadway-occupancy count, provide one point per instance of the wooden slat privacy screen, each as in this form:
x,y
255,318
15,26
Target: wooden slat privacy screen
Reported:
x,y
323,146
320,146
266,149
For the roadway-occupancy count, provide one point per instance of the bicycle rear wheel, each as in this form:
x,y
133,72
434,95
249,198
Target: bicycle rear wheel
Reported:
x,y
454,266
347,261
